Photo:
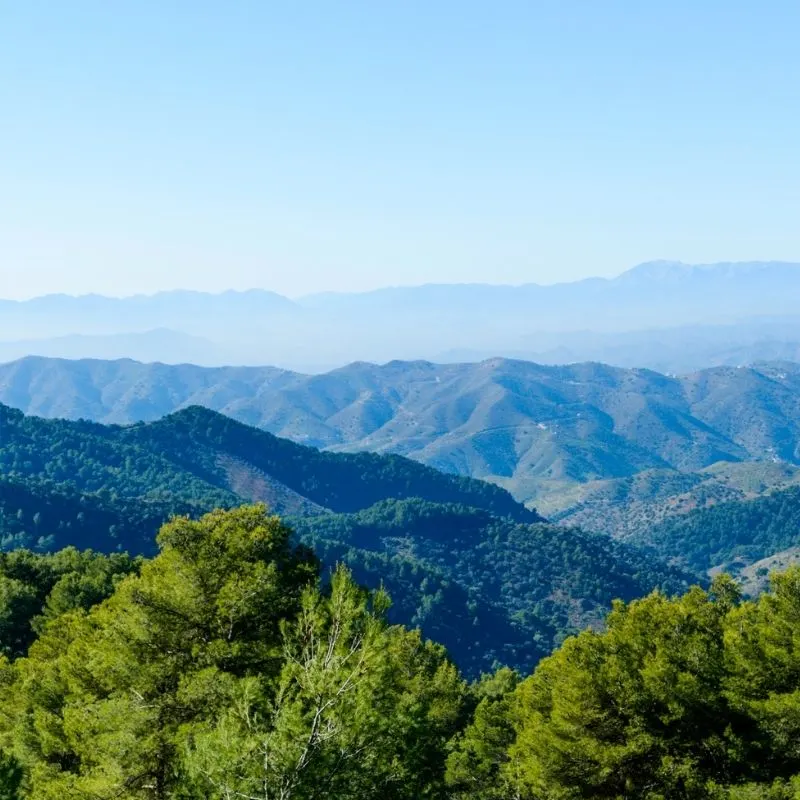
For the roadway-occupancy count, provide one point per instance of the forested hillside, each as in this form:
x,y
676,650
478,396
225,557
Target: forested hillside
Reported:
x,y
491,590
473,568
225,668
131,479
730,535
542,432
37,514
630,507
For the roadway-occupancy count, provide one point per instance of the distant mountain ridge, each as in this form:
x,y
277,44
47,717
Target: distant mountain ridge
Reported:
x,y
318,332
533,429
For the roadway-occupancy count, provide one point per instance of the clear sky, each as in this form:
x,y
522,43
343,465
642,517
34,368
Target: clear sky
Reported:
x,y
306,146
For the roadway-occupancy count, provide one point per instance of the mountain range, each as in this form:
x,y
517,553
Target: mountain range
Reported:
x,y
658,315
550,435
459,556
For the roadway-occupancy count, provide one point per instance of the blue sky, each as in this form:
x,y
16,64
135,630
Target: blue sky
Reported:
x,y
348,145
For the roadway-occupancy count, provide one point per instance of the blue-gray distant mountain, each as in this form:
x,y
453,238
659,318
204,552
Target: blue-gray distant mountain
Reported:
x,y
734,311
187,311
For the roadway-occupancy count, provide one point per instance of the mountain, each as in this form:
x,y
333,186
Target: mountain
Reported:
x,y
645,317
489,589
64,315
171,347
197,460
630,507
542,432
650,294
676,350
461,558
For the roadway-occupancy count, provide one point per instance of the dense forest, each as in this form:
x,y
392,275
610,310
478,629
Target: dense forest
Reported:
x,y
490,589
197,460
226,667
473,569
42,516
730,534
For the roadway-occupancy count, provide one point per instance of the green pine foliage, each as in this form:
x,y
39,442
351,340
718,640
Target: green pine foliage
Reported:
x,y
222,669
35,588
225,667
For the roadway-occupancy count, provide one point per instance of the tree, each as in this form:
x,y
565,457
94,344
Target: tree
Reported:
x,y
102,701
478,755
10,777
362,710
638,711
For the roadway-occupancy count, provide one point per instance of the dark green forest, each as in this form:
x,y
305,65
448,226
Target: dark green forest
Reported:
x,y
177,460
490,589
473,569
228,666
737,531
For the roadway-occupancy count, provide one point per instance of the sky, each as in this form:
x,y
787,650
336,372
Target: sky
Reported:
x,y
339,145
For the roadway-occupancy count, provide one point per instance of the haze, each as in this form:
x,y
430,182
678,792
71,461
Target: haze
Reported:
x,y
347,146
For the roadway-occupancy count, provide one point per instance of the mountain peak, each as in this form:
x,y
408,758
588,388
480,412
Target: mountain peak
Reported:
x,y
657,270
663,270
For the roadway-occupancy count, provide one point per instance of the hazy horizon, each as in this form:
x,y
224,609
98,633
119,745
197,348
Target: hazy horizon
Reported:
x,y
388,287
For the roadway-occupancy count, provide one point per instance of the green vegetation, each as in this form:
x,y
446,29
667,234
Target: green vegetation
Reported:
x,y
110,487
178,460
343,482
539,431
38,515
490,589
695,697
628,508
224,668
36,588
732,534
478,574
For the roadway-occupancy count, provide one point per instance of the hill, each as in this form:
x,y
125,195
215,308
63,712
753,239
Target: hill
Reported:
x,y
36,514
461,558
731,535
630,507
196,460
490,590
538,431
